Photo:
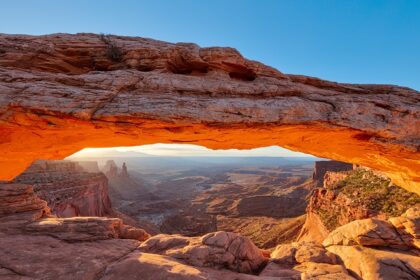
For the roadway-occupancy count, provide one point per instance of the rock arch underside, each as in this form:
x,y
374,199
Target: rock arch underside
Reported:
x,y
60,93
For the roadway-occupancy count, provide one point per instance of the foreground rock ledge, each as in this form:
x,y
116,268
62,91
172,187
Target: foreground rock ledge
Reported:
x,y
60,93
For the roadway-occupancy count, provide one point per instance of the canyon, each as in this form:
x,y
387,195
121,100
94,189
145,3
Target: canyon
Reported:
x,y
66,219
389,243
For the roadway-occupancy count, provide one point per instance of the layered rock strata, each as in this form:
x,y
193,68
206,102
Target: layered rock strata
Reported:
x,y
353,195
121,91
322,167
68,189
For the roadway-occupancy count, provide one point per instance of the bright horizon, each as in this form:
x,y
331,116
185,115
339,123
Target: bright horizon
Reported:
x,y
184,150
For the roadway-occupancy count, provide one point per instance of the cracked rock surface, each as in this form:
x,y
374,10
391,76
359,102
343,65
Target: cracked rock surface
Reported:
x,y
62,92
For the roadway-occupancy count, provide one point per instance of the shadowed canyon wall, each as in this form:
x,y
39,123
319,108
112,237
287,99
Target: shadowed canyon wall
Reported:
x,y
60,93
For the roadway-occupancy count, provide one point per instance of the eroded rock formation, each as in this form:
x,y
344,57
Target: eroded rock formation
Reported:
x,y
353,195
108,249
68,189
61,93
321,168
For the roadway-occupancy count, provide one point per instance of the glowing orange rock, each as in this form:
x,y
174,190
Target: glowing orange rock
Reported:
x,y
61,93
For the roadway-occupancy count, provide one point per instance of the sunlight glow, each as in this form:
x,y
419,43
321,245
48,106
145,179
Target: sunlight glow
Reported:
x,y
186,150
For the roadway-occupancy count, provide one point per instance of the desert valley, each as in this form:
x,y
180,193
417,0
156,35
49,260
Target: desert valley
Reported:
x,y
291,218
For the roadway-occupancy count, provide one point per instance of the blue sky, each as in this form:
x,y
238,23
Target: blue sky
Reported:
x,y
361,41
357,41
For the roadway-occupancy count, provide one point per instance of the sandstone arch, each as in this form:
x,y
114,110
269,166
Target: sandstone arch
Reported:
x,y
60,93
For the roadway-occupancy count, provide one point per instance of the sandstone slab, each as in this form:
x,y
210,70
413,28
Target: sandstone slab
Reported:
x,y
218,249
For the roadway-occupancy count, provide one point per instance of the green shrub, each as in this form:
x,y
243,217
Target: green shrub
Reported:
x,y
376,193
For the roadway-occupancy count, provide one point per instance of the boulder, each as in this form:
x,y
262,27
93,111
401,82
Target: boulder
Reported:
x,y
146,266
219,249
322,271
367,232
300,252
85,229
373,264
19,205
408,226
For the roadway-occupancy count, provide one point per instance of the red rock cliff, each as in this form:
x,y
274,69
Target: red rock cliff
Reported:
x,y
68,189
353,195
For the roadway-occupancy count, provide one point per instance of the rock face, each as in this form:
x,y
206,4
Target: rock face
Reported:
x,y
218,249
353,195
22,211
304,260
124,172
68,189
19,205
110,169
116,91
51,258
89,166
401,232
372,264
105,248
379,249
321,168
85,229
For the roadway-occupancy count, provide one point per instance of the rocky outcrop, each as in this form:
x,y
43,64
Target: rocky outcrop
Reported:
x,y
373,264
304,260
121,91
301,252
218,249
89,166
322,167
379,249
19,205
68,189
110,169
152,266
408,226
398,232
367,232
23,212
353,195
45,257
85,229
124,172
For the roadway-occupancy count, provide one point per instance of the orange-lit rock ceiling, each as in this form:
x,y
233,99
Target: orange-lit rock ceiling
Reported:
x,y
61,93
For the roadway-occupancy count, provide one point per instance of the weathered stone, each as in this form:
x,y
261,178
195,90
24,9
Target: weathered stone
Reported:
x,y
273,269
218,249
85,229
45,257
19,205
408,226
367,232
64,92
68,189
148,266
321,168
300,252
322,271
372,264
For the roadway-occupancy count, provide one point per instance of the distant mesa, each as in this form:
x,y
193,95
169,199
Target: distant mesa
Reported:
x,y
321,167
111,170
